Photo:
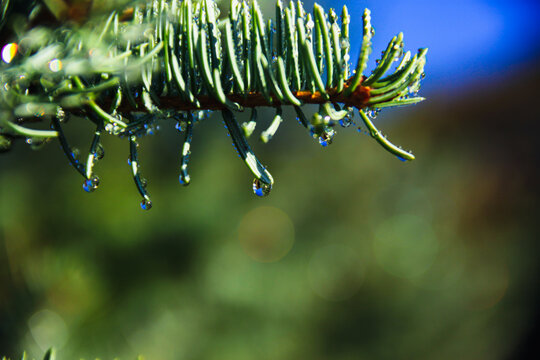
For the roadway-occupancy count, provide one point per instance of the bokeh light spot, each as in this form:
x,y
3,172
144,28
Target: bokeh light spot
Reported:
x,y
266,234
405,245
485,284
55,65
9,51
336,272
47,327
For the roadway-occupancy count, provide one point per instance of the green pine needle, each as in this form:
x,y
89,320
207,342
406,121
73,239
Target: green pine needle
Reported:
x,y
181,60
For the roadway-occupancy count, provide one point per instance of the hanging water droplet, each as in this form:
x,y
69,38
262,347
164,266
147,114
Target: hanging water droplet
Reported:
x,y
327,137
202,115
347,120
61,115
181,126
100,152
90,185
372,113
313,132
261,189
323,141
184,180
146,204
401,158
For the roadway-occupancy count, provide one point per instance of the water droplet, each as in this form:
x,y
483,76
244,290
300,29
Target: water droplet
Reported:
x,y
261,189
313,132
401,158
372,113
146,204
90,185
327,137
201,115
181,126
345,122
100,152
184,180
61,115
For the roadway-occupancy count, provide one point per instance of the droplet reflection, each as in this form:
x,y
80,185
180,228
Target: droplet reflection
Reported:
x,y
146,204
261,189
90,185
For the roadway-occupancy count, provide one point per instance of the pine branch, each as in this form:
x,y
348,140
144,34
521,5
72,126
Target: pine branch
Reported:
x,y
177,60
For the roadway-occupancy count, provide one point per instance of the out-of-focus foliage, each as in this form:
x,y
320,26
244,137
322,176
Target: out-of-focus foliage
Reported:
x,y
354,253
353,256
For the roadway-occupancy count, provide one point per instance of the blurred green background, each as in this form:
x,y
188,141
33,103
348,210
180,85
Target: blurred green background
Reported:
x,y
354,255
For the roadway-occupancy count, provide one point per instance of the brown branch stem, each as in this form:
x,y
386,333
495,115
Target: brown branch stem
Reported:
x,y
358,99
